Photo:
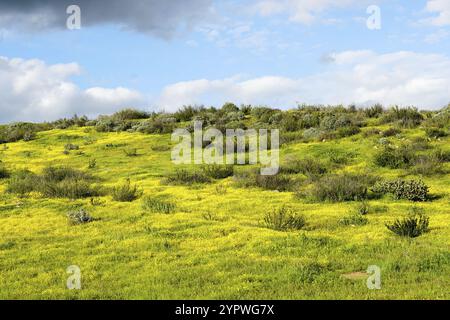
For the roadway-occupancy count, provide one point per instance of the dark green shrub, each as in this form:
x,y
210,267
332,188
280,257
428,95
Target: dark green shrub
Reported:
x,y
216,171
412,226
354,219
435,133
161,148
158,205
395,158
22,182
362,208
71,147
347,131
310,167
126,192
404,117
427,165
4,173
413,190
92,164
253,178
130,114
284,219
391,132
374,111
184,177
67,188
338,188
78,216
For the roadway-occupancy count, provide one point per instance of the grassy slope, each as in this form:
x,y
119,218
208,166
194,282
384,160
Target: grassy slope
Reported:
x,y
131,254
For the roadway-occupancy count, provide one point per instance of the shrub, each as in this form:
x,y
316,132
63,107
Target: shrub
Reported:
x,y
126,192
68,188
412,226
348,131
71,147
253,178
79,216
338,188
354,219
131,152
374,111
22,182
312,134
4,173
284,219
427,165
130,114
309,166
435,133
184,177
161,148
362,208
92,163
371,132
157,205
216,171
395,158
413,190
391,132
405,117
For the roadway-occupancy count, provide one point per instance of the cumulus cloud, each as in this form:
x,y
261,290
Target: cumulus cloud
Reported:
x,y
301,11
442,8
361,77
31,90
160,18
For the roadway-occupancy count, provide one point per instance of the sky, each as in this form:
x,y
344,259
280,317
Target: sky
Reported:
x,y
160,55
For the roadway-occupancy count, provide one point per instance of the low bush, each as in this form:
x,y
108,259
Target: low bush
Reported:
x,y
435,133
131,152
158,205
404,117
78,216
412,226
216,171
71,147
184,177
253,178
347,131
4,173
412,190
161,148
308,166
92,164
354,219
428,165
391,132
395,157
284,219
126,192
22,182
345,187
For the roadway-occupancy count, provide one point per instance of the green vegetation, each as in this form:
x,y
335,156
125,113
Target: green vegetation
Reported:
x,y
343,195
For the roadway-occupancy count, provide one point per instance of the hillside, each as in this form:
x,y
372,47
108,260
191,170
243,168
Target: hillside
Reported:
x,y
200,232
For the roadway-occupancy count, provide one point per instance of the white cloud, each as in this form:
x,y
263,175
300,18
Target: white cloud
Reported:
x,y
34,91
301,11
403,78
437,36
442,8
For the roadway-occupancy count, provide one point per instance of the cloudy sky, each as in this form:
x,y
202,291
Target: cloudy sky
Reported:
x,y
163,54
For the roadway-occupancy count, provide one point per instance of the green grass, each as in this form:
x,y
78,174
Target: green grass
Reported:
x,y
126,253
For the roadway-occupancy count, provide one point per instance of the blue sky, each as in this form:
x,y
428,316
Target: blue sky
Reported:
x,y
258,51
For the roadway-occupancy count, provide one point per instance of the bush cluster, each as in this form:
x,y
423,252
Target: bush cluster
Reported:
x,y
284,219
413,190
